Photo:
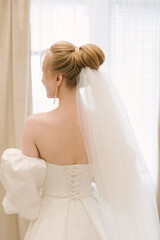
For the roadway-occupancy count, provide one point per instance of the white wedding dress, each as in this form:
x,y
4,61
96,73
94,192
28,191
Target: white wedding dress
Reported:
x,y
60,200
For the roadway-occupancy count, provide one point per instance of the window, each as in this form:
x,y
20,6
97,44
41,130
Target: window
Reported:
x,y
135,68
52,21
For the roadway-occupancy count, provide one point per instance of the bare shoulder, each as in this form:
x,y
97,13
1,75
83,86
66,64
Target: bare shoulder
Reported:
x,y
35,119
33,125
31,128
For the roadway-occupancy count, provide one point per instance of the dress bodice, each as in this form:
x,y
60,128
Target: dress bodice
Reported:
x,y
29,179
74,181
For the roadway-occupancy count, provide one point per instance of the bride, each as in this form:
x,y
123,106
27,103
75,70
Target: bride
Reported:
x,y
80,173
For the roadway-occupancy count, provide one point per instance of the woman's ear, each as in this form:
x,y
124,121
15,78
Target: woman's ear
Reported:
x,y
59,78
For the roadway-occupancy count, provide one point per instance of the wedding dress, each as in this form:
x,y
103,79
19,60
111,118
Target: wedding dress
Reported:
x,y
59,200
111,198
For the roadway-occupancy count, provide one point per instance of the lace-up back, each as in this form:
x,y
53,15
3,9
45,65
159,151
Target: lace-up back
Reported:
x,y
68,181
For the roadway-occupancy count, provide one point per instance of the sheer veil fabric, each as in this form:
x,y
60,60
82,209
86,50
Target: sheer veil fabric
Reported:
x,y
122,181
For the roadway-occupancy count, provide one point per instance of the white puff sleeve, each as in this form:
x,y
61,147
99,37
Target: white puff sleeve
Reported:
x,y
23,178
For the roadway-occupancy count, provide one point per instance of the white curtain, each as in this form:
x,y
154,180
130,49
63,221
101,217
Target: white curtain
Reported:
x,y
129,34
128,31
52,21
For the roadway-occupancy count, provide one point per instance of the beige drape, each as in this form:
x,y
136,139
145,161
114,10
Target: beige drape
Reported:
x,y
15,93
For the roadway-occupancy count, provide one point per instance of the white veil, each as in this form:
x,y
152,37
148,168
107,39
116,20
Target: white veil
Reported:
x,y
122,180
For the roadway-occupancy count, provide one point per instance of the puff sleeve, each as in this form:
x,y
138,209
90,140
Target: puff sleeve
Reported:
x,y
23,178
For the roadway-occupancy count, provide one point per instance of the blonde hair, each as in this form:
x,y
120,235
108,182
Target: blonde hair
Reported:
x,y
67,59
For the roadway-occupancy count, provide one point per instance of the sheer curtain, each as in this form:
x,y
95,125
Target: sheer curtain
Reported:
x,y
52,21
128,32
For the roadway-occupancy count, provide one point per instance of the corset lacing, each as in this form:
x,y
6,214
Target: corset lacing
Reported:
x,y
73,176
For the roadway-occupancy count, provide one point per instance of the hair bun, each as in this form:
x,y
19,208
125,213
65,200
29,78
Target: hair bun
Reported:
x,y
89,55
65,58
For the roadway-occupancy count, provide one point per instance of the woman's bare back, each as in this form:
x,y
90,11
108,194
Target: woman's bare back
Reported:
x,y
58,138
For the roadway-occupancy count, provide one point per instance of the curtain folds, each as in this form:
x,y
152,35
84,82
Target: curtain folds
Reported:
x,y
15,92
